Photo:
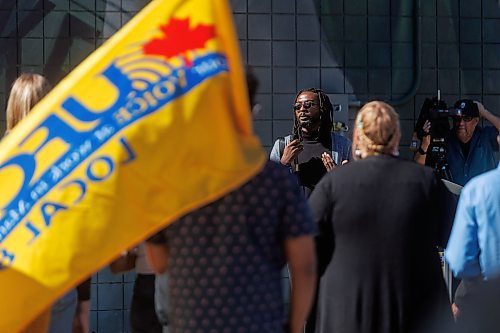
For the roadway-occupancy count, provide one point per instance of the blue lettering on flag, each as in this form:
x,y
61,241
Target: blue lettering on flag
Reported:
x,y
131,105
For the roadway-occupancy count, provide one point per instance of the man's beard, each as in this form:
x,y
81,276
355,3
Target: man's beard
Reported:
x,y
307,124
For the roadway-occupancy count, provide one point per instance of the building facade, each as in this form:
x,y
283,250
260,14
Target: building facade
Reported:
x,y
355,50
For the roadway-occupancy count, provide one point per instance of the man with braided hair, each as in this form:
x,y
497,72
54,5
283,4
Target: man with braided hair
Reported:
x,y
313,149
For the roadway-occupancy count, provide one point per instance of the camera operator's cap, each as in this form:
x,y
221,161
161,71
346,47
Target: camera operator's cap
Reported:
x,y
467,107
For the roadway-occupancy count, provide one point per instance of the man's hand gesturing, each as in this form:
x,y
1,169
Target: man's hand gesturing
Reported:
x,y
291,151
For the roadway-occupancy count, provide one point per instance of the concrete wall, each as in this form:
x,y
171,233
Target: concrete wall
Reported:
x,y
355,50
365,49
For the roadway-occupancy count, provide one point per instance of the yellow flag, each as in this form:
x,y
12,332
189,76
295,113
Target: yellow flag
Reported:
x,y
152,125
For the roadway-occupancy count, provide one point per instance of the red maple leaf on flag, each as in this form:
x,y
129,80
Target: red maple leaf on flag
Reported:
x,y
178,38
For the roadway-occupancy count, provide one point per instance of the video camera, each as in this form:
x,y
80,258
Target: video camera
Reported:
x,y
438,114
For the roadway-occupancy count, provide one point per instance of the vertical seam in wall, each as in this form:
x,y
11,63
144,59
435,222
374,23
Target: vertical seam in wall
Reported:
x,y
70,38
436,18
419,17
367,44
271,42
95,25
96,298
459,42
121,15
18,41
124,316
43,37
247,53
321,32
391,43
344,76
296,47
482,52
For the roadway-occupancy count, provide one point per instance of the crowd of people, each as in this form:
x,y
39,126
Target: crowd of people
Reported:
x,y
355,226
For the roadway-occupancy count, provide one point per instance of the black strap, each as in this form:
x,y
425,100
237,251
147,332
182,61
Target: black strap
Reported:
x,y
281,145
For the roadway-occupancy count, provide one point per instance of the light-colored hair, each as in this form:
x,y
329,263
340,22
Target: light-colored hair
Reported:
x,y
376,130
26,91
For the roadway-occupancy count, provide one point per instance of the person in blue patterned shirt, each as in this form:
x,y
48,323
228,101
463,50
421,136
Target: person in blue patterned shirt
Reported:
x,y
225,259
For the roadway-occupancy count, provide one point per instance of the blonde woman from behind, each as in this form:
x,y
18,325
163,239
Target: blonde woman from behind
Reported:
x,y
379,217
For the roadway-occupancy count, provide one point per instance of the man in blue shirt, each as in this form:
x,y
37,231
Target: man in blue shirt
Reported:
x,y
473,252
470,148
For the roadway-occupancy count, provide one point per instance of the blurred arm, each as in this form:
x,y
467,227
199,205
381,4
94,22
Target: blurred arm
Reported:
x,y
157,256
81,321
124,263
302,264
488,115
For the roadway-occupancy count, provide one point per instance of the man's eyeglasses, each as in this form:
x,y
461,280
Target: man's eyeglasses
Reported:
x,y
306,104
464,118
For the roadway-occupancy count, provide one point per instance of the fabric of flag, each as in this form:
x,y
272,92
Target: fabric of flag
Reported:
x,y
153,124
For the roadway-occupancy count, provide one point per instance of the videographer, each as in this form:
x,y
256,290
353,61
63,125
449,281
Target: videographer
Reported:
x,y
469,147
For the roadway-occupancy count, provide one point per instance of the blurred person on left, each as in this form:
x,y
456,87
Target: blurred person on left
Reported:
x,y
27,90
